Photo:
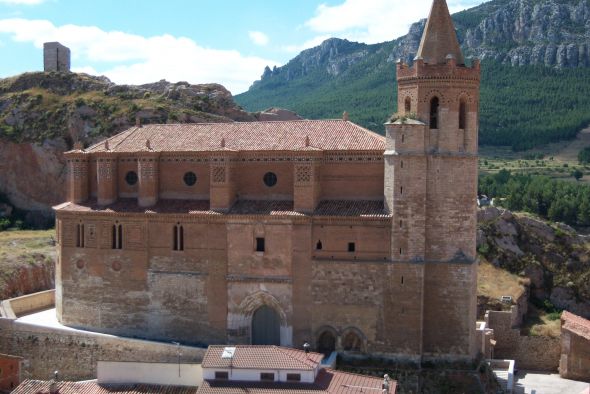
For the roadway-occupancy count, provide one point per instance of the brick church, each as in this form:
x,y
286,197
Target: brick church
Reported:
x,y
287,232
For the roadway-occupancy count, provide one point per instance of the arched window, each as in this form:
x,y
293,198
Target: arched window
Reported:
x,y
462,114
178,238
352,342
326,343
80,235
318,246
434,113
117,236
408,105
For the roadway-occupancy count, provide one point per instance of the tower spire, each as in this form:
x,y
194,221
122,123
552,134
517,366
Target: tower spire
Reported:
x,y
439,38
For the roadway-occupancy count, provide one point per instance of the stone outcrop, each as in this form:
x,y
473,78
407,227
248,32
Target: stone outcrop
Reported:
x,y
554,258
28,278
43,114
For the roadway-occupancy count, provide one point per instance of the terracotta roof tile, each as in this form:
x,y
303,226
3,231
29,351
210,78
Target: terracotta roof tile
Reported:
x,y
327,381
261,357
358,208
351,208
92,387
334,135
263,207
575,324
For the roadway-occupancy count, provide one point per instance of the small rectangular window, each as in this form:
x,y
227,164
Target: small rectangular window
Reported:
x,y
260,244
351,247
267,377
221,375
293,377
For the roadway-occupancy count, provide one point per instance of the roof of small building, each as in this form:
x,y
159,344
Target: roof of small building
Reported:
x,y
261,357
30,386
575,324
292,135
327,381
336,208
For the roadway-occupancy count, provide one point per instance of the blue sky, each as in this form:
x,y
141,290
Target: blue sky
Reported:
x,y
200,41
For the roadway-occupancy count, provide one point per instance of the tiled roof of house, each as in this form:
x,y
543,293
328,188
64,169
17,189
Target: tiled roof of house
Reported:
x,y
333,135
327,381
575,324
92,387
343,208
261,357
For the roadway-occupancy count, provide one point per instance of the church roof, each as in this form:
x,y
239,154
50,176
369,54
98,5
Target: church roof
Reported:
x,y
439,38
260,357
334,208
294,135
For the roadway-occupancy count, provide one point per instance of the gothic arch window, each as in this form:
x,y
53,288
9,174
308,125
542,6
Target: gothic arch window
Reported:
x,y
462,114
178,237
352,340
434,103
408,105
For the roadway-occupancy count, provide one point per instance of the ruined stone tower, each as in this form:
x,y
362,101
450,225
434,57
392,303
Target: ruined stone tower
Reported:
x,y
56,57
430,190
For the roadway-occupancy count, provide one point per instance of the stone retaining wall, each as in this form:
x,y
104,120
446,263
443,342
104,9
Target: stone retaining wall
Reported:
x,y
538,353
75,354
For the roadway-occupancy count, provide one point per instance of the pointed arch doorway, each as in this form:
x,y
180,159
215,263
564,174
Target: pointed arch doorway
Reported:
x,y
266,326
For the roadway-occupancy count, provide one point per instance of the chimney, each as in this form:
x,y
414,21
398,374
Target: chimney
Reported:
x,y
345,116
137,121
148,145
78,145
106,145
306,140
222,142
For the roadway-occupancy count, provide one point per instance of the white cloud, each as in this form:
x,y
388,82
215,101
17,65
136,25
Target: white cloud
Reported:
x,y
258,38
22,2
134,59
377,21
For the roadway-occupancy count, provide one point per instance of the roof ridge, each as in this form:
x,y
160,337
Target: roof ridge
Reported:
x,y
286,350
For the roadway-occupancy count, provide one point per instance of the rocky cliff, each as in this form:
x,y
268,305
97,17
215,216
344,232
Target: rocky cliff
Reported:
x,y
553,257
42,114
517,32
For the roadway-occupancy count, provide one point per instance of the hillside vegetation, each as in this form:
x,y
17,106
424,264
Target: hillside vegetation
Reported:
x,y
38,106
535,73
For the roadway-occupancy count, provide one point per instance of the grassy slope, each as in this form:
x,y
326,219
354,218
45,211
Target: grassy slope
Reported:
x,y
24,248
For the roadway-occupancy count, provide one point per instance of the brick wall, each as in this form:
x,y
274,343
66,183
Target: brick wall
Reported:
x,y
75,354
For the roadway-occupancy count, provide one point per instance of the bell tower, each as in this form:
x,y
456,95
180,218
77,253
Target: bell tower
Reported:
x,y
431,188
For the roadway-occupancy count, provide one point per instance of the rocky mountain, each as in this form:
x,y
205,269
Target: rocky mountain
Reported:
x,y
43,114
549,39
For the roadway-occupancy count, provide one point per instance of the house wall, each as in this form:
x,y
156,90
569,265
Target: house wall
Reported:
x,y
575,356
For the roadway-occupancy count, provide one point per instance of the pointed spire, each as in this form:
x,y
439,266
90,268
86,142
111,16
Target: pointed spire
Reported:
x,y
439,38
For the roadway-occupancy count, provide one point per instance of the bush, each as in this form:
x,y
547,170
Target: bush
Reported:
x,y
4,223
584,155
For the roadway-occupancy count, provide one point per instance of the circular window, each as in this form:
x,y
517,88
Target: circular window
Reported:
x,y
116,266
131,178
80,264
190,178
270,179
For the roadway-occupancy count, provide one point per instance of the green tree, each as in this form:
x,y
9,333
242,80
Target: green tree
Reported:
x,y
584,156
577,174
